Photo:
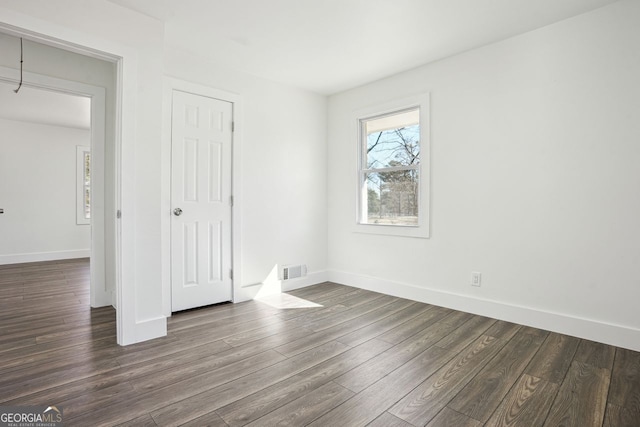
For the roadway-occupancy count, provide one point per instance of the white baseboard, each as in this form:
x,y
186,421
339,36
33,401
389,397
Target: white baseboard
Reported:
x,y
44,256
249,292
608,333
147,330
302,282
102,298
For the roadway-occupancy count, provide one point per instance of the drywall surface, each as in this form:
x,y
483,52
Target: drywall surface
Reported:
x,y
38,191
534,180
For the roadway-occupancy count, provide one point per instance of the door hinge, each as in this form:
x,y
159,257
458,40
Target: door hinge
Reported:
x,y
233,126
231,274
118,214
231,200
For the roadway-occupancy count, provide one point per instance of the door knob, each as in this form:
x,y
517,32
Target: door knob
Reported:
x,y
177,211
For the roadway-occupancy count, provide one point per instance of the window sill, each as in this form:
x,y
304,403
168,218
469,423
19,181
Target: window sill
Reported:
x,y
413,231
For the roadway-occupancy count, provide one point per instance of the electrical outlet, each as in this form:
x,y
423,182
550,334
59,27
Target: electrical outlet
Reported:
x,y
476,278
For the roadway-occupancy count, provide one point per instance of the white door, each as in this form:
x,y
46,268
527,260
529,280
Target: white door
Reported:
x,y
201,135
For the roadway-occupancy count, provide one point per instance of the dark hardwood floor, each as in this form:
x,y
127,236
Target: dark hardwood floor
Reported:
x,y
326,355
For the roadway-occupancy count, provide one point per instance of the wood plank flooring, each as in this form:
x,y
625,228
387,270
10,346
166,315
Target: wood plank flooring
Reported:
x,y
325,355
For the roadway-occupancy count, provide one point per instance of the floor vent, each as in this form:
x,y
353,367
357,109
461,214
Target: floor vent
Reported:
x,y
293,271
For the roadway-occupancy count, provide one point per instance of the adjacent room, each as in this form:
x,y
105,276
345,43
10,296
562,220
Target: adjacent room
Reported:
x,y
384,213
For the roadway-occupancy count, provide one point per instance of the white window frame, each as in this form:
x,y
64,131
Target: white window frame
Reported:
x,y
81,219
422,229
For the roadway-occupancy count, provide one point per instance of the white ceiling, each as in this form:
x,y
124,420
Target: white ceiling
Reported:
x,y
331,45
43,106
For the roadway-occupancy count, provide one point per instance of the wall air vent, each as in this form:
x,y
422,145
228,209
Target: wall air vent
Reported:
x,y
293,271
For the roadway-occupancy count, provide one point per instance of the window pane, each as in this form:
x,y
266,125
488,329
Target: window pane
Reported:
x,y
87,203
393,140
87,185
87,167
392,197
393,184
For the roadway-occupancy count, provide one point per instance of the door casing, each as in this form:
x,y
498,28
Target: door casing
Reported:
x,y
171,84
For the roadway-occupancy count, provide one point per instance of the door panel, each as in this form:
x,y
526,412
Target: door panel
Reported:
x,y
201,141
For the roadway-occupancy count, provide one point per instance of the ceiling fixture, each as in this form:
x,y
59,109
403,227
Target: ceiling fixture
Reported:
x,y
21,61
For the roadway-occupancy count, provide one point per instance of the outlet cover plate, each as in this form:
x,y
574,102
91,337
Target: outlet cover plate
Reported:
x,y
476,278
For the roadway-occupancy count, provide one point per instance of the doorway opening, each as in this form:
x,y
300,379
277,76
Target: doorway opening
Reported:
x,y
62,206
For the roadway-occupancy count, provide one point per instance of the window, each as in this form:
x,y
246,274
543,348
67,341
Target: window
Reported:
x,y
392,179
83,185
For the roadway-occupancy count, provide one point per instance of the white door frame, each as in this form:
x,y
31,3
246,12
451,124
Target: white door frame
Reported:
x,y
126,59
171,84
100,296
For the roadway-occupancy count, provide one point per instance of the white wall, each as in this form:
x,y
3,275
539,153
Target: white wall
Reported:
x,y
535,176
280,179
38,192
